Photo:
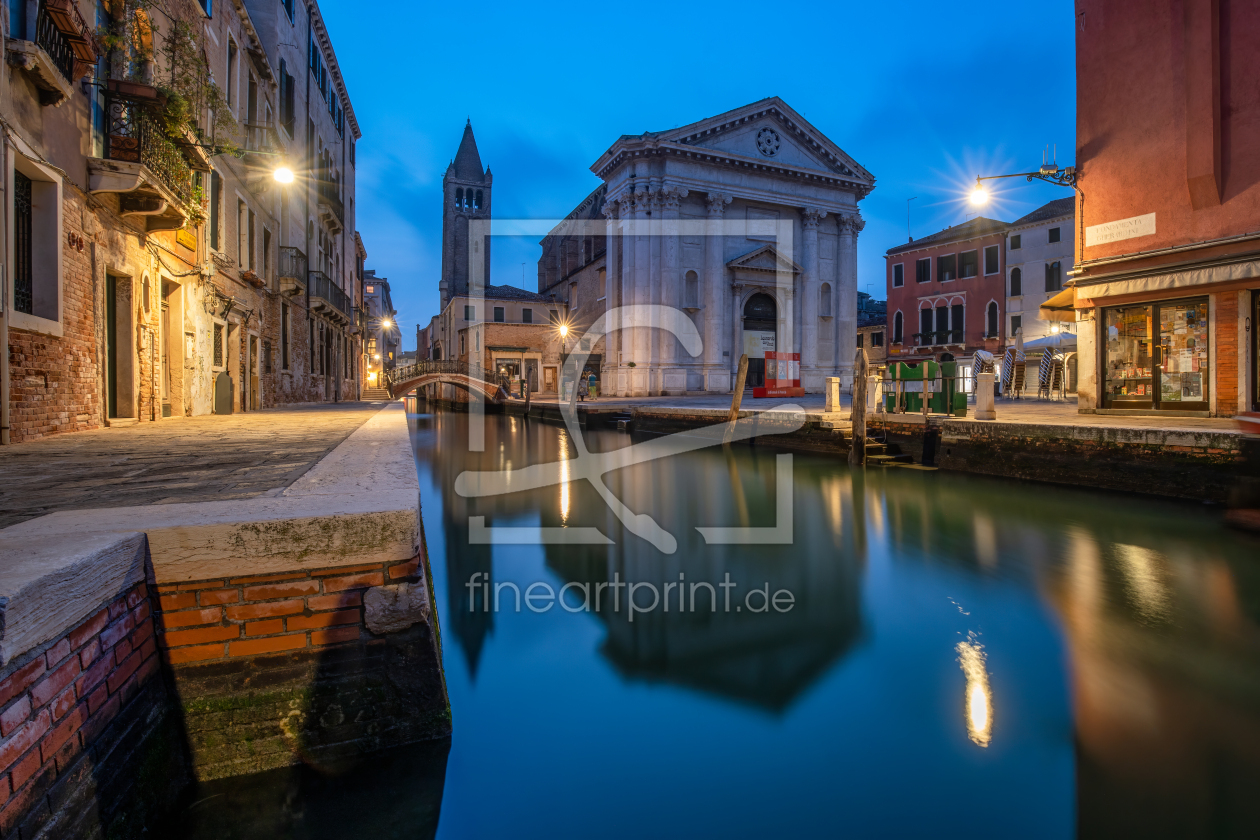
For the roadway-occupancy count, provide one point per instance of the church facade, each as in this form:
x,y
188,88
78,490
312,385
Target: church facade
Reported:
x,y
747,222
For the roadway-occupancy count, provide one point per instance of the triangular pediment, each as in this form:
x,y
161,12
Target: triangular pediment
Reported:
x,y
765,259
772,132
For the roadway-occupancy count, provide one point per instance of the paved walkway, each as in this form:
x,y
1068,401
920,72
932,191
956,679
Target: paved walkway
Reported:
x,y
188,459
1056,413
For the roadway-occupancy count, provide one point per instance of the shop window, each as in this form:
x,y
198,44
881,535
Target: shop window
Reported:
x,y
946,268
991,260
899,275
1054,235
923,270
527,316
1017,282
968,264
499,315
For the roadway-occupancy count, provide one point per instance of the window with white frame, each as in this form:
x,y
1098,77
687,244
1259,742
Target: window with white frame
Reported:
x,y
35,267
899,275
991,260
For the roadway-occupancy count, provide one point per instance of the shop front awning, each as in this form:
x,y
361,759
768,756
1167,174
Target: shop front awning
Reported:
x,y
1061,307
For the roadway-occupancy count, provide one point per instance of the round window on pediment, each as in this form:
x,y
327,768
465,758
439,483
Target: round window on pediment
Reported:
x,y
768,142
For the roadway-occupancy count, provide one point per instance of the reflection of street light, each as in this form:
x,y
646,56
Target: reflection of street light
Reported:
x,y
283,174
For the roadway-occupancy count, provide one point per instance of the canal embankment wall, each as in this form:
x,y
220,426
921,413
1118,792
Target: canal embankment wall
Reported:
x,y
146,647
1186,463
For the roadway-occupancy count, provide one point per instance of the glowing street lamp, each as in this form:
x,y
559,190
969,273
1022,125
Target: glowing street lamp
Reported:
x,y
979,196
1049,172
283,175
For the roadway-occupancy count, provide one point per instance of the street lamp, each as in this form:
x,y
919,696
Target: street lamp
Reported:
x,y
1049,172
283,175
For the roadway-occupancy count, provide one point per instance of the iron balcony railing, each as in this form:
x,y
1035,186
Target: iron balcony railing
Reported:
x,y
324,288
261,137
135,136
328,195
54,42
292,263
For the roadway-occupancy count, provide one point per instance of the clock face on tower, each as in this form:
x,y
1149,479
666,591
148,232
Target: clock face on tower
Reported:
x,y
768,142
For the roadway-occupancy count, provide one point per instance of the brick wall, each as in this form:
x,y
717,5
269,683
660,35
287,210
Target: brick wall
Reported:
x,y
278,669
247,616
77,717
55,380
1227,354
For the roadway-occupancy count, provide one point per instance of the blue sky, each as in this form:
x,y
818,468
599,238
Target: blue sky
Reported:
x,y
925,96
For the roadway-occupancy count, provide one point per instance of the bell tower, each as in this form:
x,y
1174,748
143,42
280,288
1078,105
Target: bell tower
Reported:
x,y
465,196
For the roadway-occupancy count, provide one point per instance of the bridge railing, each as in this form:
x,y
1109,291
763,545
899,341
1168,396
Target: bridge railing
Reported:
x,y
446,366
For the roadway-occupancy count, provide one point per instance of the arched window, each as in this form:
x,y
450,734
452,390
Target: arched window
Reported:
x,y
691,290
897,328
1054,276
459,197
824,304
993,321
1017,282
477,204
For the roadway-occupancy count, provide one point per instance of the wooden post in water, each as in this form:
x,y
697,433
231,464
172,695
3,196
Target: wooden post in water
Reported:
x,y
857,447
736,398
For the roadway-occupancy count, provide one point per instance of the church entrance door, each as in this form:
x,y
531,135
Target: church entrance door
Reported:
x,y
761,317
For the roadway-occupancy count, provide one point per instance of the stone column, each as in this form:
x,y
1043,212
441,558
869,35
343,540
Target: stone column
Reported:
x,y
612,274
717,375
674,378
641,347
625,291
810,288
737,325
845,297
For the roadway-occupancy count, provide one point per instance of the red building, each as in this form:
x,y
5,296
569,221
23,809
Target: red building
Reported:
x,y
946,293
1167,277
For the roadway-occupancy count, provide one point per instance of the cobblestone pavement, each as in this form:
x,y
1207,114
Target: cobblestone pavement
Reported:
x,y
1049,412
189,459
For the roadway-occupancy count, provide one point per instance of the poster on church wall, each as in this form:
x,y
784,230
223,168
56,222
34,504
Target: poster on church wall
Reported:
x,y
757,342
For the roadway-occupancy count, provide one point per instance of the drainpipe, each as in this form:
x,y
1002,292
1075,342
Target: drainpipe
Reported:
x,y
6,389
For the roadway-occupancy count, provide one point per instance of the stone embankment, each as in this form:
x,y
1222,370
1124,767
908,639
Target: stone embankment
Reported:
x,y
1180,460
146,647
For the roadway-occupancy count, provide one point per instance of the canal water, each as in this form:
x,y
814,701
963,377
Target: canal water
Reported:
x,y
902,654
963,656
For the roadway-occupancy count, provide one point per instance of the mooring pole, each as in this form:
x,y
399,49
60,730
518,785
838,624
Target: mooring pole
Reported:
x,y
857,450
736,398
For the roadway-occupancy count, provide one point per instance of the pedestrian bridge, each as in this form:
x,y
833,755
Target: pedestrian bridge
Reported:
x,y
478,382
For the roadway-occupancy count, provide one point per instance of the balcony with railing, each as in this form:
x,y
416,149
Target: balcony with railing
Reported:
x,y
143,165
330,207
292,271
59,49
261,137
327,298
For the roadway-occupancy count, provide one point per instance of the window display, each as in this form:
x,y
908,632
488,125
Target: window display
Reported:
x,y
1157,356
1129,364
